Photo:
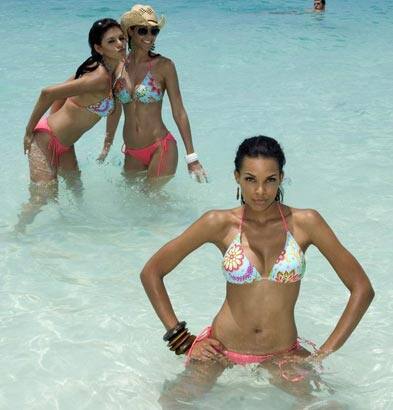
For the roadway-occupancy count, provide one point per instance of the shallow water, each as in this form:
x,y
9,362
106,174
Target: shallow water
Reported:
x,y
77,330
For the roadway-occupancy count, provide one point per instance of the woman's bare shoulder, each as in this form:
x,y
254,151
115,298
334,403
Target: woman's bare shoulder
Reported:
x,y
305,217
164,64
162,59
222,216
217,223
220,220
100,77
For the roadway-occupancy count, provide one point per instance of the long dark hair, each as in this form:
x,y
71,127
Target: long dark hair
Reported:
x,y
261,146
96,34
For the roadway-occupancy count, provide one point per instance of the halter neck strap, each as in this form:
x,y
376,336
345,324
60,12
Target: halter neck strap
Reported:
x,y
241,220
284,222
282,217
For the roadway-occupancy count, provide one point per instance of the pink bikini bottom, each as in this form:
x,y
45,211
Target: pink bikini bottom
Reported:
x,y
241,358
56,148
244,359
145,154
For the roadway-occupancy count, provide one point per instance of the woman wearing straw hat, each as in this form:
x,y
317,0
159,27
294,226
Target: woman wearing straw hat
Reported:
x,y
140,84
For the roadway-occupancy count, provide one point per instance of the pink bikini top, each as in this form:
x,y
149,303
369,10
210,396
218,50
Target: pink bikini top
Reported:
x,y
289,266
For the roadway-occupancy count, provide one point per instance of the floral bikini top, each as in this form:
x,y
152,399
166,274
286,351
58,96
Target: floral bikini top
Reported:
x,y
289,267
102,108
148,91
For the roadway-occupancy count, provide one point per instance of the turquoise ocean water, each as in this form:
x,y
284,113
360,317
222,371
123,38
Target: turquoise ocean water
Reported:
x,y
76,329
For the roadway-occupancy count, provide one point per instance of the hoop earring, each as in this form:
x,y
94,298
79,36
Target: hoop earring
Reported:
x,y
238,193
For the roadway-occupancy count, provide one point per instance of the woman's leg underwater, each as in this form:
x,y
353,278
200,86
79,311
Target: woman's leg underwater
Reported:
x,y
69,171
300,380
43,180
196,380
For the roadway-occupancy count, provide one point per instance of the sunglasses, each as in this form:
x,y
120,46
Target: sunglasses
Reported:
x,y
142,31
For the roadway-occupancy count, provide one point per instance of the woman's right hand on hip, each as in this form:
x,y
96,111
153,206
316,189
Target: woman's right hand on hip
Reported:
x,y
208,349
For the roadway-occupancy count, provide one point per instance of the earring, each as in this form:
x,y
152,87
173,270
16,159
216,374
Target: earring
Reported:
x,y
238,193
152,48
279,194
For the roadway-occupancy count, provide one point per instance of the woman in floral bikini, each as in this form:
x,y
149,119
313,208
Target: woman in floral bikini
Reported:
x,y
256,322
140,86
76,106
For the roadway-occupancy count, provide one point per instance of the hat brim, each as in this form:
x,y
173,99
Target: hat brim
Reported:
x,y
131,19
160,23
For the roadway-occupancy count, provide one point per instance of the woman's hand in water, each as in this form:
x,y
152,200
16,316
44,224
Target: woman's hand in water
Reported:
x,y
208,349
313,359
27,141
197,172
105,150
318,356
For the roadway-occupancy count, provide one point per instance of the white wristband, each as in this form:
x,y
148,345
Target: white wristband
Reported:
x,y
190,158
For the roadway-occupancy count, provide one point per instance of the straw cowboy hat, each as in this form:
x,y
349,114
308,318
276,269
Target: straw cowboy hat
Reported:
x,y
141,15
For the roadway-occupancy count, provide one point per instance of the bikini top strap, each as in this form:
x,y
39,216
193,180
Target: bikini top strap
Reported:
x,y
149,63
241,221
282,217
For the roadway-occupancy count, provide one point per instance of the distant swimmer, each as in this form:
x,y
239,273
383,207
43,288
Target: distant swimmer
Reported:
x,y
319,5
77,105
140,84
263,244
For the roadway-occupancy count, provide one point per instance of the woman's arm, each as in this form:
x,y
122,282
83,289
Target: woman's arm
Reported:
x,y
181,118
56,105
112,122
209,228
89,83
350,273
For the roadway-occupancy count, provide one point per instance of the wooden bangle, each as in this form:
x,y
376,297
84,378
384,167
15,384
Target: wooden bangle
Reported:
x,y
179,342
186,345
173,332
176,338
